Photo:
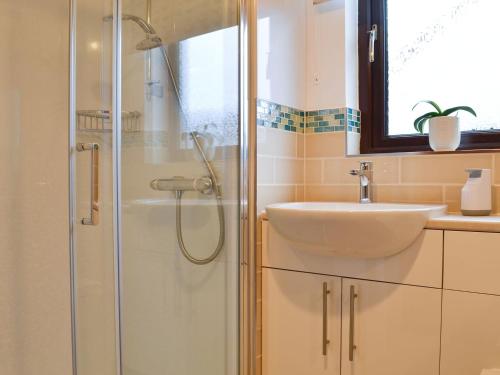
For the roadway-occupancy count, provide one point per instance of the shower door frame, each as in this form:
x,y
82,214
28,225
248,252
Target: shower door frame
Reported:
x,y
247,180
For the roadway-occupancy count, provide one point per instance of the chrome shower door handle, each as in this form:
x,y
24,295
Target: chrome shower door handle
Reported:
x,y
94,181
352,297
326,292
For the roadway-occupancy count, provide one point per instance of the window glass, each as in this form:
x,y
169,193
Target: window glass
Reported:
x,y
445,51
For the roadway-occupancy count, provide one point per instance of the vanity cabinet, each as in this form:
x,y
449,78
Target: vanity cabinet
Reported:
x,y
432,309
386,328
301,323
471,303
471,333
390,329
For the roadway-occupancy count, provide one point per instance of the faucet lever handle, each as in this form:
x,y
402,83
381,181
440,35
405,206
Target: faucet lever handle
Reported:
x,y
366,165
365,174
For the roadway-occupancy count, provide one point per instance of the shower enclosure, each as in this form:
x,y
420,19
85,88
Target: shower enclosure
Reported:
x,y
162,178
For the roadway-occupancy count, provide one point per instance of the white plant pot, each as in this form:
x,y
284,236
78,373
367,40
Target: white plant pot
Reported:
x,y
444,133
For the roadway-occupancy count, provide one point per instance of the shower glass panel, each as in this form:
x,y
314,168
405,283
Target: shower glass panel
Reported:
x,y
92,221
179,187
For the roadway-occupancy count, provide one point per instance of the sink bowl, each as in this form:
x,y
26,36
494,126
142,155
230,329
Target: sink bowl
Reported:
x,y
372,230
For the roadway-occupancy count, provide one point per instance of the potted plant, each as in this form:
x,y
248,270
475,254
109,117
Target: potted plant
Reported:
x,y
444,129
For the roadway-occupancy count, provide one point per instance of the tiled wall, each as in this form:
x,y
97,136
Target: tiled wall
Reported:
x,y
313,167
280,163
400,178
280,178
278,116
333,120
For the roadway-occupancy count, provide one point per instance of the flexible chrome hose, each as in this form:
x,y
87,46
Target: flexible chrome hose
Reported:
x,y
180,240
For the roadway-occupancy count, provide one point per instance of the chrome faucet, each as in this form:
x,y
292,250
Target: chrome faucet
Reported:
x,y
365,173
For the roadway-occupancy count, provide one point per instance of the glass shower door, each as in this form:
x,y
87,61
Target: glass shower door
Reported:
x,y
179,188
92,179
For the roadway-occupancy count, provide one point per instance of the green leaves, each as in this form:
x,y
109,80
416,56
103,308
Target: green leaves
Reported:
x,y
460,108
436,107
420,121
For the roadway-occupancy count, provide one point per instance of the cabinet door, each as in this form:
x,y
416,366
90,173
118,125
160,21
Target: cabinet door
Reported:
x,y
471,333
296,309
479,252
392,329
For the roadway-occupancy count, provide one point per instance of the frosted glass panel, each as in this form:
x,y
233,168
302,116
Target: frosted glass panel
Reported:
x,y
445,51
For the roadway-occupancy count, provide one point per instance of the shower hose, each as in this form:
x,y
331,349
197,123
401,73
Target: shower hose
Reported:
x,y
180,240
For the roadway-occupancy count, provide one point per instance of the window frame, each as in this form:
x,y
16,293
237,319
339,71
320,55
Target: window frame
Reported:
x,y
373,94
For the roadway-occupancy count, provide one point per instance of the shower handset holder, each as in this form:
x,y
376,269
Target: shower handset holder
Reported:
x,y
179,184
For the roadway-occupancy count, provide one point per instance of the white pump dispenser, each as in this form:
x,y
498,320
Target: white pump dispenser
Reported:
x,y
476,193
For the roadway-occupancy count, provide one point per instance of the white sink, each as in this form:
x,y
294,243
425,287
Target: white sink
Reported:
x,y
372,230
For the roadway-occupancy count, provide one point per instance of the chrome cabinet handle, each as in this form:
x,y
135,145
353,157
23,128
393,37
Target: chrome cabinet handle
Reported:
x,y
373,37
353,296
94,181
326,292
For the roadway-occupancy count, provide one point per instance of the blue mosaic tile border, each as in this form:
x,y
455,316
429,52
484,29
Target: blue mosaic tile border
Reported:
x,y
273,115
333,120
353,120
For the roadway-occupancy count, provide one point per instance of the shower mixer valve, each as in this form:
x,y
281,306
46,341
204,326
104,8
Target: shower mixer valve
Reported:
x,y
203,185
206,185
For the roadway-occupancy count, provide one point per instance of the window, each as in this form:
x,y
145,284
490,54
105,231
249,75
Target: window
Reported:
x,y
208,83
436,50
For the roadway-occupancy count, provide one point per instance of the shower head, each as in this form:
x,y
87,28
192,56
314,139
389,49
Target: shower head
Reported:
x,y
152,42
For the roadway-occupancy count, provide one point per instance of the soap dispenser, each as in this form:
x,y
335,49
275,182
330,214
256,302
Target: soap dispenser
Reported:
x,y
476,193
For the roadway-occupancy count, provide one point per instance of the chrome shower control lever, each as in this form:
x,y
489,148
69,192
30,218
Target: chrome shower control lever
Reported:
x,y
202,185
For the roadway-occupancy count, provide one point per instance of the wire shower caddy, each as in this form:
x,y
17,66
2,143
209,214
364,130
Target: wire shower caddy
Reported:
x,y
102,120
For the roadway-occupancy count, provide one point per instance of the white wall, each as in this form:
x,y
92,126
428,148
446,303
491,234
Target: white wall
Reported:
x,y
351,54
34,265
281,33
325,55
332,54
310,51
